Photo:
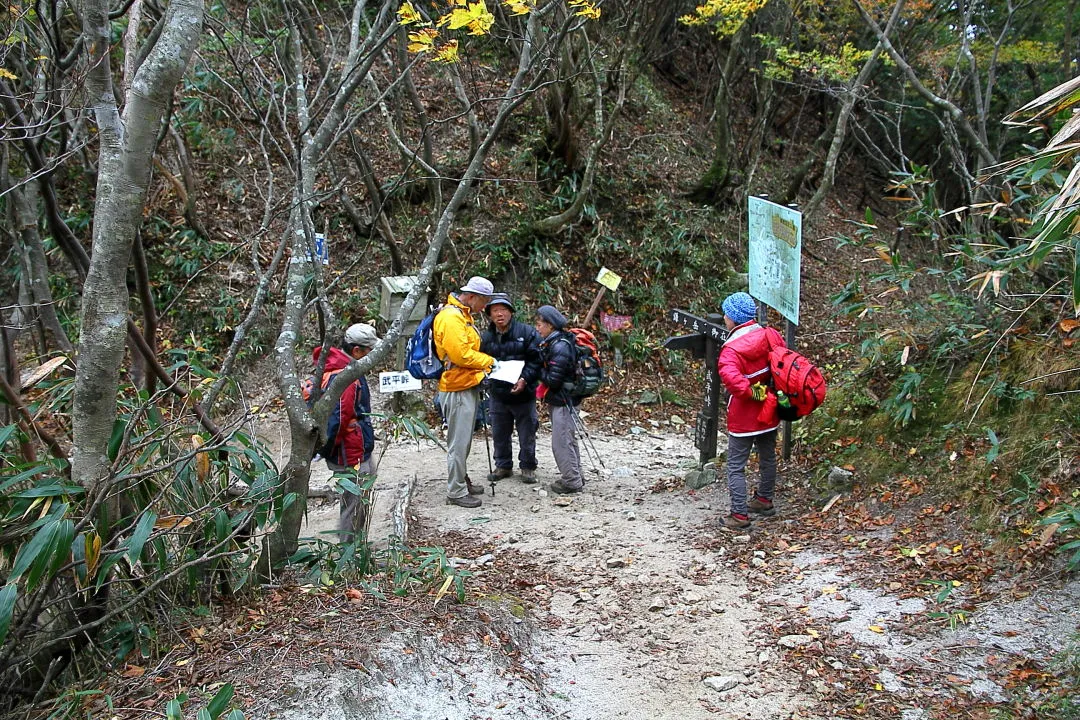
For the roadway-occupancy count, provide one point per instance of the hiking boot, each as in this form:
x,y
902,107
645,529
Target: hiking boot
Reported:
x,y
558,488
474,489
528,476
465,501
735,522
503,473
761,506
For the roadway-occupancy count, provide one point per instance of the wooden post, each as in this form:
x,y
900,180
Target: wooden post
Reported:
x,y
709,335
789,340
709,423
595,306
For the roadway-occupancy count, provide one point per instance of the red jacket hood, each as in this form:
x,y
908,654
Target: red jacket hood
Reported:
x,y
337,360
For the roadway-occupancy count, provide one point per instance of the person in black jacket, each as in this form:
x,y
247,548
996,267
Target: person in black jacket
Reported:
x,y
510,405
558,350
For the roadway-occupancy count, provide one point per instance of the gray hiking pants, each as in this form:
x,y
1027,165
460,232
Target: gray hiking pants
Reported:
x,y
459,409
504,416
353,511
564,446
738,452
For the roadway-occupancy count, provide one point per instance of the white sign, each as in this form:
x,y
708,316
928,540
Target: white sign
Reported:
x,y
394,381
322,251
775,256
608,279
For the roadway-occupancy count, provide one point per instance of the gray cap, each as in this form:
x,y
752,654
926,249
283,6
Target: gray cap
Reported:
x,y
478,286
361,334
551,316
499,299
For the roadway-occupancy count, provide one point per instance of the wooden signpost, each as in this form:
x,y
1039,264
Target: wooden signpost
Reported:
x,y
709,334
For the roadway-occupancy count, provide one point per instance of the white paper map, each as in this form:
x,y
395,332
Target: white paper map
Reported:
x,y
775,256
508,371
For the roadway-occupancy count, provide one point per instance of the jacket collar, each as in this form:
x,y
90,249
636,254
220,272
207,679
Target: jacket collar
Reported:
x,y
739,331
453,300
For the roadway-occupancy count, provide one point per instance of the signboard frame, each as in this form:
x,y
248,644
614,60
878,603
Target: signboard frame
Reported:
x,y
775,251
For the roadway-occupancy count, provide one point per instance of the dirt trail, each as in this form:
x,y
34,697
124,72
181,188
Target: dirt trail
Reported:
x,y
639,617
651,612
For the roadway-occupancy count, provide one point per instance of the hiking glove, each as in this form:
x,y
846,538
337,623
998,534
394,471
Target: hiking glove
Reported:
x,y
758,391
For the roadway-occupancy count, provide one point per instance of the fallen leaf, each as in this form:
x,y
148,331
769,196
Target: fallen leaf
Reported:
x,y
1048,533
133,671
876,628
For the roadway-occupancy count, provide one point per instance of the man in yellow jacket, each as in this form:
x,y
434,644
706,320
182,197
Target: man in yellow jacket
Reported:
x,y
457,343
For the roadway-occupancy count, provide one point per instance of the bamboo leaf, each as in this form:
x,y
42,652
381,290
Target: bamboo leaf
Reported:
x,y
220,701
7,608
140,536
93,553
1076,277
30,552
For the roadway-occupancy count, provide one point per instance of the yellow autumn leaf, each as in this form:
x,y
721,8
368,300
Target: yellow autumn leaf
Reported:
x,y
813,633
92,549
474,16
407,14
589,11
7,74
877,628
516,7
447,53
202,459
422,40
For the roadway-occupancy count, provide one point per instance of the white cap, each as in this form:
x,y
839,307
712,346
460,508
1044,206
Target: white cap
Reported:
x,y
361,334
479,286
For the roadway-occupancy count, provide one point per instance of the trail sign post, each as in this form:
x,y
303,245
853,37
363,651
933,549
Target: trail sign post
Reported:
x,y
776,268
709,334
608,281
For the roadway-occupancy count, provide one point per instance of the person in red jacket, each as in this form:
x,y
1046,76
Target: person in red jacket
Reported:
x,y
350,434
744,370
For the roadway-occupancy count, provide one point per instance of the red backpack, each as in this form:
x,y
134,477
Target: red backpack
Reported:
x,y
797,378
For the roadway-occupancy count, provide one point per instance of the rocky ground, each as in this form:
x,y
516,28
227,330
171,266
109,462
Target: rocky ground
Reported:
x,y
628,601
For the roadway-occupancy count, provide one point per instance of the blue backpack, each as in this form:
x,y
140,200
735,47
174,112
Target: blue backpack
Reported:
x,y
421,360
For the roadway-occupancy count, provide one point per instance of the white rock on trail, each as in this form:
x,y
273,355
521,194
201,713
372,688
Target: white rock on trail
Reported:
x,y
722,683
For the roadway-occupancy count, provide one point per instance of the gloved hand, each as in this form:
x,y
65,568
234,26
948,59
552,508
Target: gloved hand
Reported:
x,y
541,391
758,391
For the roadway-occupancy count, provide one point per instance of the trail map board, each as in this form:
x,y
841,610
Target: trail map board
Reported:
x,y
775,256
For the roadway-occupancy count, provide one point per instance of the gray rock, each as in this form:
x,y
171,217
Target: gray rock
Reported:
x,y
697,479
623,472
485,559
647,397
615,562
637,430
839,477
741,539
722,683
658,603
794,641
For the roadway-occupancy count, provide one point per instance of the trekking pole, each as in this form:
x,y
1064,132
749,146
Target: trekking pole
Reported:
x,y
492,478
588,443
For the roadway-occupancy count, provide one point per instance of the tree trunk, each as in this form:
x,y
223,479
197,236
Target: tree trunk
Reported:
x,y
127,144
710,189
38,267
